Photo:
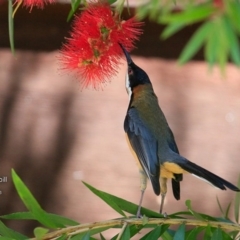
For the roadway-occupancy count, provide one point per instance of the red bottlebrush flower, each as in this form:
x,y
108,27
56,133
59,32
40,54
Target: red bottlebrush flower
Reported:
x,y
218,4
33,3
93,50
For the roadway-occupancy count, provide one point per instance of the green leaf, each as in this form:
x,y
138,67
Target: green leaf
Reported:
x,y
195,214
63,237
226,213
195,42
192,234
144,220
227,210
111,1
29,216
31,203
232,13
106,198
81,236
102,237
121,204
171,29
226,236
237,203
219,205
11,25
142,11
168,235
75,4
19,216
9,233
126,234
92,232
212,45
134,229
40,232
86,236
189,15
180,233
156,232
217,234
233,41
208,233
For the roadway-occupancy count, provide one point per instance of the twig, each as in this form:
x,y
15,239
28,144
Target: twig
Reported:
x,y
70,231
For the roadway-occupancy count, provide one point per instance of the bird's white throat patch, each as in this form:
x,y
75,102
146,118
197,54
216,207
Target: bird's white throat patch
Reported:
x,y
128,87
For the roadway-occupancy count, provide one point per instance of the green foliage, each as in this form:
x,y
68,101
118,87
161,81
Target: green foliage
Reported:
x,y
11,25
218,33
52,226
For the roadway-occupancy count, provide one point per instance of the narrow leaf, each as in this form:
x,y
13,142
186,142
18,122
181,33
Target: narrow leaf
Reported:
x,y
11,25
168,235
93,231
180,233
123,204
63,237
195,214
40,232
126,234
208,233
232,10
9,233
134,229
195,42
111,1
212,45
233,41
106,198
227,210
86,236
192,234
31,203
29,216
75,4
190,15
217,234
171,29
155,233
102,237
144,220
226,236
220,207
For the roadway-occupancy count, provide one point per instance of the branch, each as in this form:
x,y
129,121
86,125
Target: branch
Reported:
x,y
70,231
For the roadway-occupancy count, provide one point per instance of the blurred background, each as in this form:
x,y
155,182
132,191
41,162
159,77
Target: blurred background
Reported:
x,y
56,135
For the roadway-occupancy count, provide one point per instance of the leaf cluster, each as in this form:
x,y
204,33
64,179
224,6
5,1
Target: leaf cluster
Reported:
x,y
52,226
218,32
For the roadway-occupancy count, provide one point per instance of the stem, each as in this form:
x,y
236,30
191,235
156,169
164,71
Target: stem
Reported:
x,y
122,231
70,231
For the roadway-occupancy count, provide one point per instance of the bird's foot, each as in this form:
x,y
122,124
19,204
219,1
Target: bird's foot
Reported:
x,y
139,215
165,215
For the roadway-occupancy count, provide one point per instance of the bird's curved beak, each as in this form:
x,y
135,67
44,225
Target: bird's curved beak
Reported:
x,y
129,59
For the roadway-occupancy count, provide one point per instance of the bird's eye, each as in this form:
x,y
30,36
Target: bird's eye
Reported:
x,y
130,71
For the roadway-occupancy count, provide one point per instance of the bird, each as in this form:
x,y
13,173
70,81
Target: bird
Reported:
x,y
152,141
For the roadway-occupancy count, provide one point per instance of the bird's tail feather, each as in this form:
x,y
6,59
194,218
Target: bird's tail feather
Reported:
x,y
176,189
206,175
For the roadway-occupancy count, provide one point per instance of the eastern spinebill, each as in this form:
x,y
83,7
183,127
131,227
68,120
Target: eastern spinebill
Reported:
x,y
152,140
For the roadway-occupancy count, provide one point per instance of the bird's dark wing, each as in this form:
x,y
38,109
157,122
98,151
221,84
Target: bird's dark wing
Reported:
x,y
144,145
178,177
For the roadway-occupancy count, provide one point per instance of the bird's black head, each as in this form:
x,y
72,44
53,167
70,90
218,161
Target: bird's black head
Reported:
x,y
135,75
